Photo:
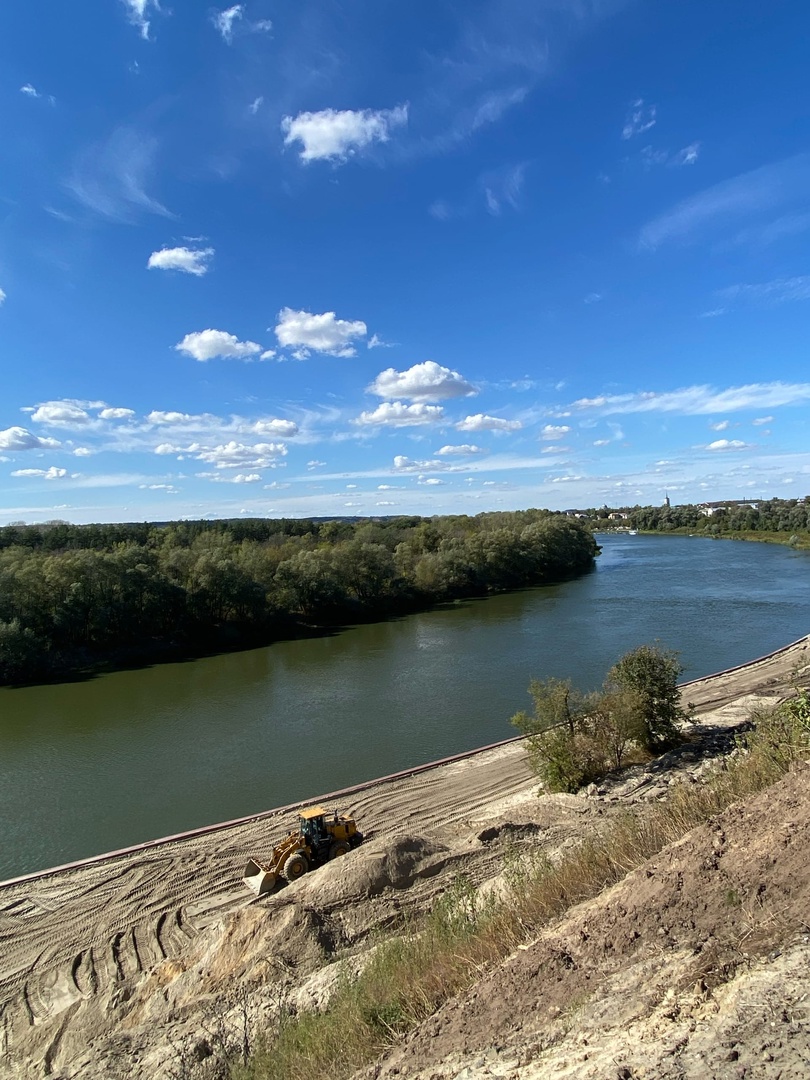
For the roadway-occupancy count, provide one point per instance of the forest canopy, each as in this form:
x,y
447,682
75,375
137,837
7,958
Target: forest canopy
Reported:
x,y
72,596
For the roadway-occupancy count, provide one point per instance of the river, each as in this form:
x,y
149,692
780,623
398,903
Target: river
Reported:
x,y
90,766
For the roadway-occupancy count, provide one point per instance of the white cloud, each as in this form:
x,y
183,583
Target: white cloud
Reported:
x,y
82,451
255,105
428,381
700,400
2,297
721,425
18,438
762,420
640,118
186,260
592,298
482,422
116,414
332,135
268,354
246,478
30,91
321,333
385,502
727,444
224,20
750,195
157,416
463,449
53,473
138,11
395,414
430,481
601,442
205,345
61,414
314,464
550,432
232,455
279,429
405,464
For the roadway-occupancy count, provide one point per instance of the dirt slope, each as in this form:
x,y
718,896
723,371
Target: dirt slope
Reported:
x,y
106,969
695,965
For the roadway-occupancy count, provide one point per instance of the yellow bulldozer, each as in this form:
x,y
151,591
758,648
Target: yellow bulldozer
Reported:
x,y
321,837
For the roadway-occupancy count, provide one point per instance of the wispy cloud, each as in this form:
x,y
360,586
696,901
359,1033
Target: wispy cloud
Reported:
x,y
138,12
503,49
32,92
640,118
698,400
111,178
755,194
224,20
494,191
768,293
651,156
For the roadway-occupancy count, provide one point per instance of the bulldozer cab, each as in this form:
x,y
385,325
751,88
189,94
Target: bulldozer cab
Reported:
x,y
313,826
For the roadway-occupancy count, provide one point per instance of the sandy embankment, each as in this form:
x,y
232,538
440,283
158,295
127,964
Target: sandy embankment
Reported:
x,y
108,950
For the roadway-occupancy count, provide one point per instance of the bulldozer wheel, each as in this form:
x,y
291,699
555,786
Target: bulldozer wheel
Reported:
x,y
340,847
296,866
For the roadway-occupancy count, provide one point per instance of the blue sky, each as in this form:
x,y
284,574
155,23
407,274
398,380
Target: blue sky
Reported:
x,y
358,257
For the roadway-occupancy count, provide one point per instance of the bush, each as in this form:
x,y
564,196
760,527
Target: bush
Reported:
x,y
652,672
574,739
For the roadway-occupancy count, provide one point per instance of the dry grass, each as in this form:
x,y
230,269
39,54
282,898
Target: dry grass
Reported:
x,y
410,976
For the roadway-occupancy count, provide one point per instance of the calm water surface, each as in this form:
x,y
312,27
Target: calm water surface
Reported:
x,y
88,767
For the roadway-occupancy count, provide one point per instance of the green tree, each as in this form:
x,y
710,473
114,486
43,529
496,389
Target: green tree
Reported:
x,y
652,673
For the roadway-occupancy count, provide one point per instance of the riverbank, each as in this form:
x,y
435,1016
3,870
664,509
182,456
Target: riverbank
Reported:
x,y
123,954
800,541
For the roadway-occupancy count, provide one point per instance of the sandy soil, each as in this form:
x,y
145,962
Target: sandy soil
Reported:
x,y
116,968
696,965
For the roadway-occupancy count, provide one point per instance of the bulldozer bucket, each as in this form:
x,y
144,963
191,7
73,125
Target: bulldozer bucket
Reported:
x,y
258,878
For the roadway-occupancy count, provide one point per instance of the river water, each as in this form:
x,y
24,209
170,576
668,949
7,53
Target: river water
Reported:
x,y
90,766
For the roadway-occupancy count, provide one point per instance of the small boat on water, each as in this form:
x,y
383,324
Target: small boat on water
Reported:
x,y
632,532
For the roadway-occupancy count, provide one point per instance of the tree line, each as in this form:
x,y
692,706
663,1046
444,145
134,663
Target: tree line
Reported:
x,y
72,596
790,516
